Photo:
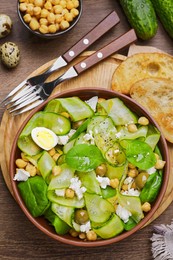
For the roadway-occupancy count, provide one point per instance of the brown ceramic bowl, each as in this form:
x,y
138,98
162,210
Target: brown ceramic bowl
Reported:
x,y
50,35
40,222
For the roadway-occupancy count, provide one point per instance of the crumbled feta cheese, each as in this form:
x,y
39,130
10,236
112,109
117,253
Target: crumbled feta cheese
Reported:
x,y
60,192
128,180
131,192
89,137
63,139
151,170
103,181
92,102
85,227
123,213
118,135
21,175
76,186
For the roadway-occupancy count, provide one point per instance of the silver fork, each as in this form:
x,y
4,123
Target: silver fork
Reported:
x,y
42,91
100,29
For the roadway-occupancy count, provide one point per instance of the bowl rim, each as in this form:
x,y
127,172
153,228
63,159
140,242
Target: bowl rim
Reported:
x,y
51,35
149,215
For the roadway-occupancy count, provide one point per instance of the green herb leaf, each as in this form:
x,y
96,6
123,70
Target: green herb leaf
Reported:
x,y
84,157
140,154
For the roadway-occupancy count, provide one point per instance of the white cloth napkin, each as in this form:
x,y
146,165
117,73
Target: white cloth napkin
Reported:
x,y
162,242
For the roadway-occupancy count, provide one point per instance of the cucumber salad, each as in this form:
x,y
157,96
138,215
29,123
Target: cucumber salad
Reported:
x,y
91,168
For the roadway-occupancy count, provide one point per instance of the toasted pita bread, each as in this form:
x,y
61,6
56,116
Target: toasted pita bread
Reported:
x,y
140,66
156,95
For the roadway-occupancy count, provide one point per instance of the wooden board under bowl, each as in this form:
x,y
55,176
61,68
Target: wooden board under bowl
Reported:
x,y
98,76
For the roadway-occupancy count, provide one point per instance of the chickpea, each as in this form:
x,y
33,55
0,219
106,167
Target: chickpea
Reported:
x,y
68,17
114,183
70,5
44,13
56,156
31,169
146,207
133,186
74,12
55,2
39,3
132,173
75,3
34,24
63,3
132,128
69,193
131,166
101,169
20,163
30,10
48,5
37,10
91,235
81,216
143,120
23,156
56,170
52,152
43,21
52,28
23,7
27,18
73,233
58,9
82,235
59,19
51,18
124,187
159,164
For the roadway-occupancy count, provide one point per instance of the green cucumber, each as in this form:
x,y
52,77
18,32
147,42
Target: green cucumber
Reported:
x,y
111,228
164,10
119,112
141,16
99,209
64,213
68,202
45,165
89,181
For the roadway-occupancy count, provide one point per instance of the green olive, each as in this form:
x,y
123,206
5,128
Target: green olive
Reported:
x,y
141,179
81,216
101,169
77,124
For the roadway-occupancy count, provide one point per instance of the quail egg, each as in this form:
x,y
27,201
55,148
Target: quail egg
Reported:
x,y
10,54
44,137
5,25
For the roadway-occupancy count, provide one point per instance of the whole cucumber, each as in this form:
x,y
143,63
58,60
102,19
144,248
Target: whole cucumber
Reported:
x,y
141,16
164,10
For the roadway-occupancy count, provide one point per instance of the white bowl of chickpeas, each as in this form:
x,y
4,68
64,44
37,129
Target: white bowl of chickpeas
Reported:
x,y
49,18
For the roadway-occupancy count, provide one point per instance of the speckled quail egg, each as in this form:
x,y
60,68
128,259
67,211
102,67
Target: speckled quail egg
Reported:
x,y
44,138
10,54
5,25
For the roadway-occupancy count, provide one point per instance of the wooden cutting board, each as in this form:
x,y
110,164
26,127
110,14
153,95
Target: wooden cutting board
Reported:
x,y
98,76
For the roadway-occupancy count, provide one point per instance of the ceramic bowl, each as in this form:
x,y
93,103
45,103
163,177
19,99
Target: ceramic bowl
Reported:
x,y
51,35
40,222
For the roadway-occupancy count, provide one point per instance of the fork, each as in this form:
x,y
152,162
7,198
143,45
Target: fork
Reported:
x,y
42,91
100,29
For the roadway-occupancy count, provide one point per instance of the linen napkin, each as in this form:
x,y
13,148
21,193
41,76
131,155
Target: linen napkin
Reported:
x,y
162,242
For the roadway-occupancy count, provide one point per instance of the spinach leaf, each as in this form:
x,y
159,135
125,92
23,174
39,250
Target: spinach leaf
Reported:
x,y
140,154
84,157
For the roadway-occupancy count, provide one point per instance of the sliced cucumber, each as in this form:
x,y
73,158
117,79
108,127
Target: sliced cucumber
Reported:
x,y
118,111
74,202
27,145
45,165
116,171
99,209
95,121
64,213
115,155
62,180
90,182
111,228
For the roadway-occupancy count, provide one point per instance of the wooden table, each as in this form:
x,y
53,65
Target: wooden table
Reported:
x,y
19,239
